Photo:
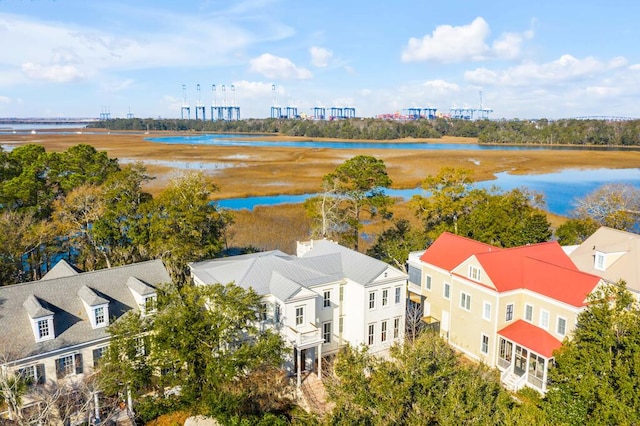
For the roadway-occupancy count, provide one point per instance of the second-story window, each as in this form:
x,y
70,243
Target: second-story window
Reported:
x,y
326,331
300,315
385,297
509,315
372,300
486,311
372,330
326,299
465,301
67,365
528,312
427,282
447,290
398,295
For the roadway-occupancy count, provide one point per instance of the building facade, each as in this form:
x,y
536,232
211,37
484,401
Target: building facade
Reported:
x,y
54,330
508,308
319,300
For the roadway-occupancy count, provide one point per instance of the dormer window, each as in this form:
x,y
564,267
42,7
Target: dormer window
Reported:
x,y
41,319
97,307
43,329
144,295
600,261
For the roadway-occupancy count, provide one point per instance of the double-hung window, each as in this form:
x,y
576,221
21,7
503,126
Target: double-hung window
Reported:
x,y
43,329
447,290
372,330
385,297
561,327
509,315
484,345
398,294
300,315
326,299
486,311
465,301
67,365
326,331
372,300
427,282
383,331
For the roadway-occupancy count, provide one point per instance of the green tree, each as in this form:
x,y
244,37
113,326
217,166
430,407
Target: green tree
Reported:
x,y
575,230
423,383
182,224
205,340
394,244
595,380
358,187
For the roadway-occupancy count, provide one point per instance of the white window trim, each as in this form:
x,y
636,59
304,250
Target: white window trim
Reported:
x,y
444,291
474,273
397,294
384,331
326,299
597,265
428,282
484,310
372,300
324,324
482,336
528,305
301,323
467,301
542,314
35,324
385,297
371,334
558,326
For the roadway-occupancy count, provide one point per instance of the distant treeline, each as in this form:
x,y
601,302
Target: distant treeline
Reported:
x,y
563,132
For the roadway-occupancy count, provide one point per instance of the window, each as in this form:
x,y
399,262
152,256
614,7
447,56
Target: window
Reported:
x,y
486,311
341,293
396,328
484,345
372,330
149,304
67,365
326,331
398,294
506,350
372,300
427,282
509,315
528,313
544,319
600,261
341,325
262,313
414,275
561,327
474,273
98,314
98,354
276,313
385,297
447,290
326,299
32,374
300,315
465,301
383,331
43,329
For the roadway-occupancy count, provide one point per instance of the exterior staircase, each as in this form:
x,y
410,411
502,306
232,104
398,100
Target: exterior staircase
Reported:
x,y
313,395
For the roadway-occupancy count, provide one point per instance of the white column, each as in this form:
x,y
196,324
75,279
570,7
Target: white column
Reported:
x,y
129,402
299,382
320,361
96,405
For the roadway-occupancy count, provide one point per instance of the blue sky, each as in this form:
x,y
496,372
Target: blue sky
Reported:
x,y
553,59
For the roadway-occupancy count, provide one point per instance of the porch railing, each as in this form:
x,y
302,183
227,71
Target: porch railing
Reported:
x,y
308,334
506,373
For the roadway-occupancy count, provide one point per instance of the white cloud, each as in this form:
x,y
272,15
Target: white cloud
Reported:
x,y
450,44
276,67
565,68
441,86
508,46
320,56
4,99
53,73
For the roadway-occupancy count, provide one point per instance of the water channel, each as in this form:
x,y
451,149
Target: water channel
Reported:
x,y
560,189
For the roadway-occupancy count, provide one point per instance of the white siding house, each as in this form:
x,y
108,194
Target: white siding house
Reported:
x,y
320,300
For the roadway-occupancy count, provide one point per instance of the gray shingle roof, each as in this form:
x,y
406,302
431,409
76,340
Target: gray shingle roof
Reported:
x,y
60,296
283,275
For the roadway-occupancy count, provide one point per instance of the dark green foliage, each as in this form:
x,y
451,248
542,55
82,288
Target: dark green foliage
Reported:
x,y
575,231
595,379
425,383
353,192
394,244
504,219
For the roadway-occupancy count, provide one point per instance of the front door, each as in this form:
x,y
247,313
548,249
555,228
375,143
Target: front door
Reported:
x,y
520,361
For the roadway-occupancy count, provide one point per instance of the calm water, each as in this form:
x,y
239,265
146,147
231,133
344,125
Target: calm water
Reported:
x,y
255,141
560,189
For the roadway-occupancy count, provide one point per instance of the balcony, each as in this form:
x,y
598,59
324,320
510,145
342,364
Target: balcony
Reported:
x,y
305,336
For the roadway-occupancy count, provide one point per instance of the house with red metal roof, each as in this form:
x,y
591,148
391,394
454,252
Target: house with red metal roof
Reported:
x,y
508,308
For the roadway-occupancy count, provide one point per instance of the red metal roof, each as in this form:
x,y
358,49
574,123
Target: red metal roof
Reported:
x,y
450,250
531,337
542,268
